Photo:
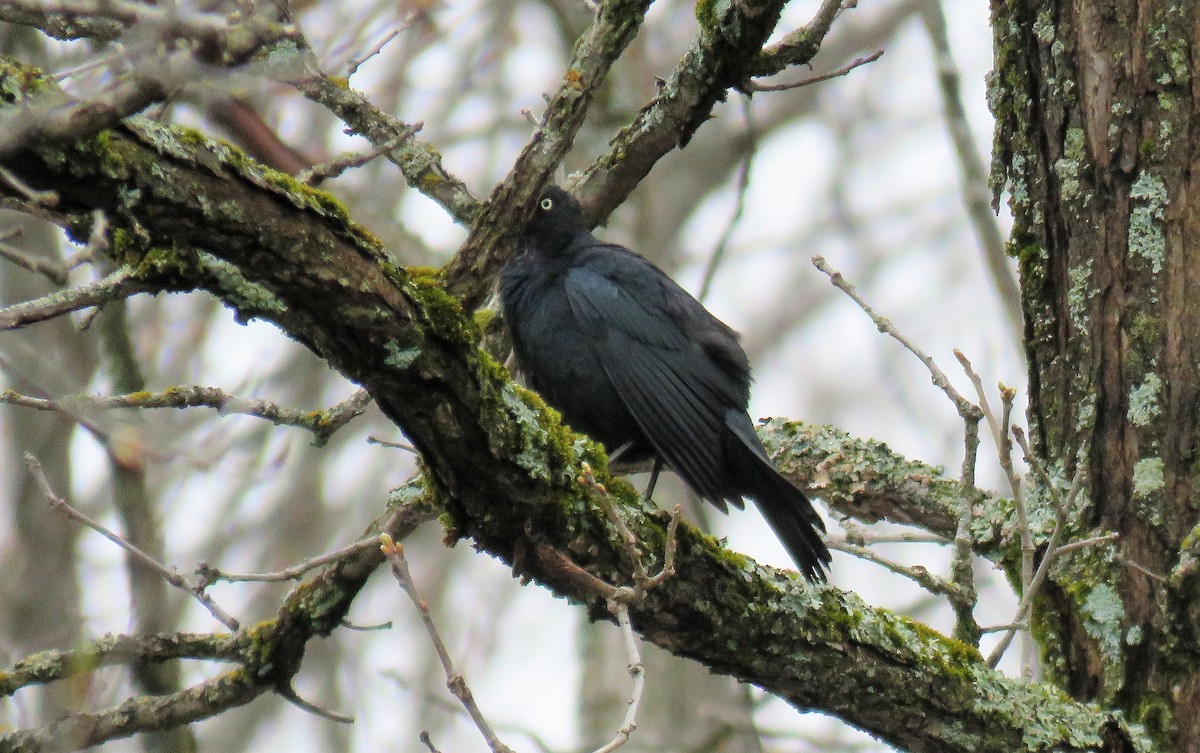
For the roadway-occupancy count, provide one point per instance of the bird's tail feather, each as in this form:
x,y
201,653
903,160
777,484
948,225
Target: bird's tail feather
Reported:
x,y
786,508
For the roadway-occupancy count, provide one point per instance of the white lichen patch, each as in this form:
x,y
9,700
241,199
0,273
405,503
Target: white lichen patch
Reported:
x,y
1149,196
1143,401
1103,612
1079,294
1147,477
1068,166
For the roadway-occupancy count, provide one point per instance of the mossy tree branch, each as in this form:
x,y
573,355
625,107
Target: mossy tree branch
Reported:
x,y
188,214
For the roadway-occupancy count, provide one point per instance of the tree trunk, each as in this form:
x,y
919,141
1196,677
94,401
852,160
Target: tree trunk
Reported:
x,y
1098,145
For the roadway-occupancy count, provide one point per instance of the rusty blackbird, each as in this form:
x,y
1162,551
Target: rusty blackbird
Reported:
x,y
634,361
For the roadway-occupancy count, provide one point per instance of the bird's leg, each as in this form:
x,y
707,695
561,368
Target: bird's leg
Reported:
x,y
658,464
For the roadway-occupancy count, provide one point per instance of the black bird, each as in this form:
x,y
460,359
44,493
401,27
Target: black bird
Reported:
x,y
634,361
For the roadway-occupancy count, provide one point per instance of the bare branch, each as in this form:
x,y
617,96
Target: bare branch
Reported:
x,y
34,196
1033,582
493,235
642,580
963,600
618,598
52,271
394,445
976,194
420,163
801,45
701,78
965,407
427,741
144,714
916,573
288,693
739,207
353,65
171,576
962,595
858,536
454,681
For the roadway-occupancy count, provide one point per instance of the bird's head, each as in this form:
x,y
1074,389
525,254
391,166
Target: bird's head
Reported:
x,y
556,219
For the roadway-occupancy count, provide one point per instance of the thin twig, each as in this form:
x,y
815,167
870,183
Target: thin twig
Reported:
x,y
210,574
289,694
743,184
423,736
394,445
354,64
1145,570
966,629
368,628
642,580
917,573
1000,434
637,671
981,394
800,45
1009,627
120,284
857,62
1053,550
628,540
52,271
98,241
41,198
965,407
318,174
858,536
1103,538
620,597
171,576
454,681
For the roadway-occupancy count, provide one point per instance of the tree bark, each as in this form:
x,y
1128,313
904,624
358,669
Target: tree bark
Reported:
x,y
1098,145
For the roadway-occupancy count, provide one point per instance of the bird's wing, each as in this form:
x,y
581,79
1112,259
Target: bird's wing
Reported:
x,y
675,390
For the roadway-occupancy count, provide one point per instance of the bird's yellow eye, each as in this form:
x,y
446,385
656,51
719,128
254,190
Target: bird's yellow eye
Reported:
x,y
546,204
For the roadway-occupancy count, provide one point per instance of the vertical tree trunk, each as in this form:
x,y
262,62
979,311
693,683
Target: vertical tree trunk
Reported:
x,y
1098,145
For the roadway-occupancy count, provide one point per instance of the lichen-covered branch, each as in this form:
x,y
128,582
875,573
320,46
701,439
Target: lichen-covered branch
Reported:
x,y
867,481
49,666
322,423
419,162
